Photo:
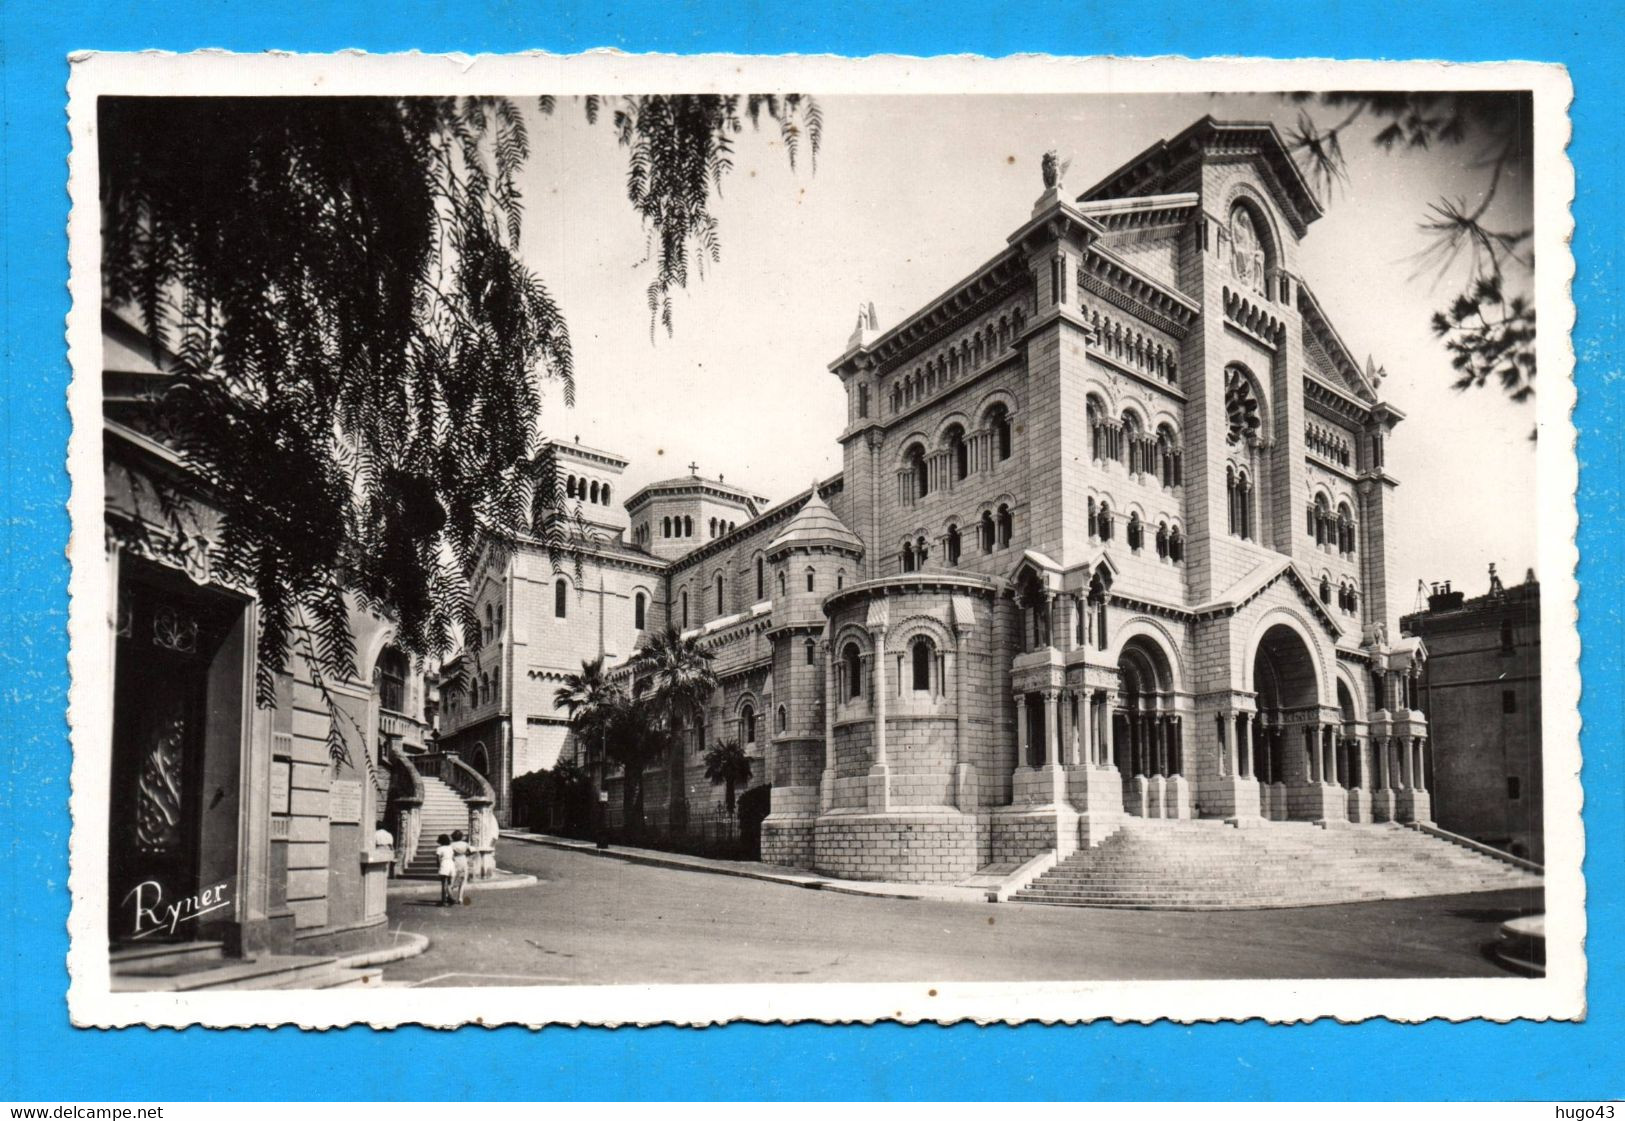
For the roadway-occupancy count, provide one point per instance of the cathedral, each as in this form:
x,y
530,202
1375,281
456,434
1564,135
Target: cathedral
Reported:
x,y
1110,544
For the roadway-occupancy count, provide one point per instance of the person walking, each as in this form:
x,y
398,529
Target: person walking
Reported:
x,y
446,862
460,850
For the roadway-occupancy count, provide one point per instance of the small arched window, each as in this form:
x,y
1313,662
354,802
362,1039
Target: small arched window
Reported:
x,y
989,539
603,494
781,719
919,478
812,651
958,451
1162,540
783,589
560,599
761,579
747,723
953,545
852,670
809,575
998,420
840,579
688,527
1006,526
665,527
1136,532
592,493
922,654
684,608
1325,590
1103,522
640,607
719,593
908,557
1176,545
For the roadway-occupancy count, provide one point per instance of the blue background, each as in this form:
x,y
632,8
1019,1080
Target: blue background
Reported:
x,y
42,1057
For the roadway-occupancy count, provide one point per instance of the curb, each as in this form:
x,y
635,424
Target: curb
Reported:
x,y
507,882
407,945
643,856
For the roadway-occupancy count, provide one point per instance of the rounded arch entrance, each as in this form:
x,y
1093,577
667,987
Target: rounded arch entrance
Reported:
x,y
1294,744
1147,736
480,759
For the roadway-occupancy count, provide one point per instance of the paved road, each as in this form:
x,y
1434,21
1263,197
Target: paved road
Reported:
x,y
593,920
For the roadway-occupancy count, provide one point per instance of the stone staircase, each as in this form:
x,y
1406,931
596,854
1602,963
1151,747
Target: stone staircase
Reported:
x,y
444,810
1207,865
199,966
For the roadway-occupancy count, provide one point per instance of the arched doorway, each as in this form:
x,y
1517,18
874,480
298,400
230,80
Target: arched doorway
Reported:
x,y
1147,735
1289,746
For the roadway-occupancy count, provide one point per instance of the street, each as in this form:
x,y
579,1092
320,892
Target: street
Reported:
x,y
597,920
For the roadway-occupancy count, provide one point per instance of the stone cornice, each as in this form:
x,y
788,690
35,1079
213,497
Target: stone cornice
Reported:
x,y
993,283
1130,290
1333,403
1316,323
1158,164
695,487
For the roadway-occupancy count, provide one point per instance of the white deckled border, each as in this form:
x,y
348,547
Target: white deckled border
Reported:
x,y
1560,995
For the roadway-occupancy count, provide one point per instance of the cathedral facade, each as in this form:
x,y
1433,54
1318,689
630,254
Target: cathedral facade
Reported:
x,y
1111,540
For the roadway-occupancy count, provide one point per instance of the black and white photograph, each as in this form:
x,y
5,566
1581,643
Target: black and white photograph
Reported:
x,y
574,540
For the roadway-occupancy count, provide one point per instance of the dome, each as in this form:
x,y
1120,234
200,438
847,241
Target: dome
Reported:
x,y
815,525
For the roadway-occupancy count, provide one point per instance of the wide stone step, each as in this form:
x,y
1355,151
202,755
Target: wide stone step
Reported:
x,y
1199,866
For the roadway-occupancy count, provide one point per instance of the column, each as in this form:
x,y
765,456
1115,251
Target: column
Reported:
x,y
1051,754
1022,732
879,639
1074,710
1086,728
1421,770
959,698
1244,750
1103,729
826,796
1312,750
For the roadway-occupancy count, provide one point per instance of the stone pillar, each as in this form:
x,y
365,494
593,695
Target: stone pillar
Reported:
x,y
1244,745
1022,732
879,773
1050,756
826,791
965,796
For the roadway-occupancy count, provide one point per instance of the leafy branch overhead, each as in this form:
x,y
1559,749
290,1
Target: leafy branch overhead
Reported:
x,y
357,342
679,150
1489,328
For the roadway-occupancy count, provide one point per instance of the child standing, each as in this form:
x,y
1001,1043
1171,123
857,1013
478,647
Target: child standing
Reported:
x,y
447,862
460,850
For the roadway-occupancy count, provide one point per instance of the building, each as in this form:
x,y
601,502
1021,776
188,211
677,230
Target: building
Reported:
x,y
1481,689
1111,539
254,821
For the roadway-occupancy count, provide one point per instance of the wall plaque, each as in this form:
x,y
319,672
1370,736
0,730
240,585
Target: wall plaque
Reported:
x,y
281,785
344,802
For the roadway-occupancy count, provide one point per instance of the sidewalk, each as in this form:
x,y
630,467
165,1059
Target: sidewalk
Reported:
x,y
412,886
752,870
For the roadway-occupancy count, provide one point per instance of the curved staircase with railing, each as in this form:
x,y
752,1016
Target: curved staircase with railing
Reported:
x,y
1199,865
453,796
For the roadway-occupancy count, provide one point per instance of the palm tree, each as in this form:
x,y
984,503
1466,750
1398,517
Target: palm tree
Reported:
x,y
678,679
635,736
590,697
727,763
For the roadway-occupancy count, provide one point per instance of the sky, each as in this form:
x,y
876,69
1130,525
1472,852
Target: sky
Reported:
x,y
911,193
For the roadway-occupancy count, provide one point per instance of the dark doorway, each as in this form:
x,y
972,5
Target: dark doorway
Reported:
x,y
168,634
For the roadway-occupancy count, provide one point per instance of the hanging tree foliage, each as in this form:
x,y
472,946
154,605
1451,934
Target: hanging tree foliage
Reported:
x,y
1489,328
360,346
